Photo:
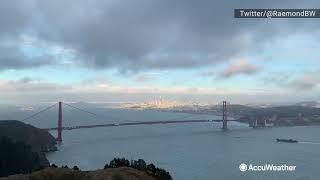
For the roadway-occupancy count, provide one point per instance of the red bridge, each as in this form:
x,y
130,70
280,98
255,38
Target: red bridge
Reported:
x,y
60,128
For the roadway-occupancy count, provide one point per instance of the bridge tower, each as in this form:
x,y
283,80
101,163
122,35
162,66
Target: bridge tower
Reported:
x,y
59,138
224,115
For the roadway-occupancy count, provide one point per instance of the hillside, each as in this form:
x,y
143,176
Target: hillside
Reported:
x,y
304,113
17,158
39,140
284,115
122,173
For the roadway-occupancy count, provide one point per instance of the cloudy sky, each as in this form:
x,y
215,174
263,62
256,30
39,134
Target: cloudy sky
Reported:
x,y
137,50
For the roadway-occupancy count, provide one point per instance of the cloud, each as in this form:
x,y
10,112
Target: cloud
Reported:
x,y
276,79
28,85
307,81
20,62
293,81
239,66
26,90
131,37
13,57
145,77
15,16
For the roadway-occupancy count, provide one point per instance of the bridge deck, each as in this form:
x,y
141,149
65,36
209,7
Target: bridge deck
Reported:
x,y
133,124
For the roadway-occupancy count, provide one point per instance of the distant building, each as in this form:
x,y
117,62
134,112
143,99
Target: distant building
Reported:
x,y
261,122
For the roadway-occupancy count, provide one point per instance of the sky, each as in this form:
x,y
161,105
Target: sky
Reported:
x,y
141,50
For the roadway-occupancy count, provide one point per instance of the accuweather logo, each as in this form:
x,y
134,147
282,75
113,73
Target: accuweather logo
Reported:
x,y
243,167
266,167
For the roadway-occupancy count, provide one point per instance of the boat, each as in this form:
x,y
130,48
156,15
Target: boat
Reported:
x,y
287,140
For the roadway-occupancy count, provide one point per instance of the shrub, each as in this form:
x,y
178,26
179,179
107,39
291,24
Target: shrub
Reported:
x,y
141,165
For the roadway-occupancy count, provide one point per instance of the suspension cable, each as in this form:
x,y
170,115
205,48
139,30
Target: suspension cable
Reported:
x,y
35,114
94,114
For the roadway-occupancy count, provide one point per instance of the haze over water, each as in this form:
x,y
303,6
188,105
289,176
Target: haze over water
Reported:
x,y
188,151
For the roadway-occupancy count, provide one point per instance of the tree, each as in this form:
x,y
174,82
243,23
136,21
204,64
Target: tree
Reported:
x,y
151,168
140,164
117,162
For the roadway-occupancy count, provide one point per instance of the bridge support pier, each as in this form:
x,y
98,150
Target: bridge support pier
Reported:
x,y
224,116
59,138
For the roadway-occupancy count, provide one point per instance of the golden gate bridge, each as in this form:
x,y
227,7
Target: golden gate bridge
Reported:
x,y
60,127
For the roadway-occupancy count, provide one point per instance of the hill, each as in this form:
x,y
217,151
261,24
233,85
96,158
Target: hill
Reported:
x,y
122,173
17,157
39,140
283,115
301,114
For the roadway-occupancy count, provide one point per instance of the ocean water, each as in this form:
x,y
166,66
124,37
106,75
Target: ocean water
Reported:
x,y
188,151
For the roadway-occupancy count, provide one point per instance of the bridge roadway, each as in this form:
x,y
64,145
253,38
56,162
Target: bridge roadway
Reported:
x,y
133,124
